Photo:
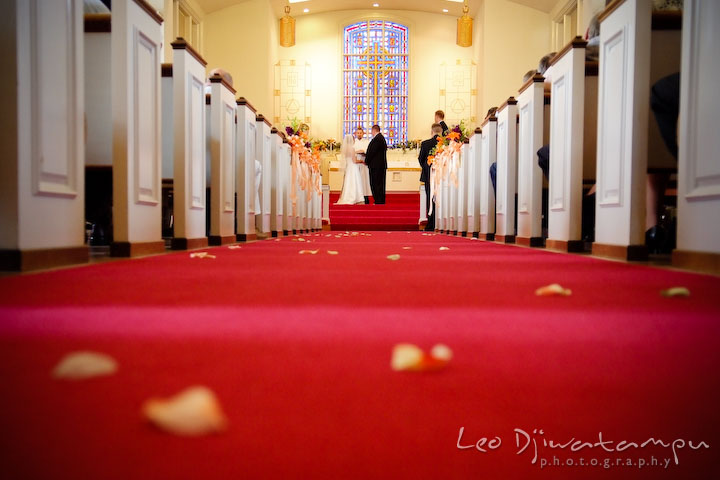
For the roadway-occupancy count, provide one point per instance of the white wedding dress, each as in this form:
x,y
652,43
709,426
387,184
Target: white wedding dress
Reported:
x,y
352,189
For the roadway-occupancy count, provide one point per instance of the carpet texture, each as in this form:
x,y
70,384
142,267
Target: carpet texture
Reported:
x,y
297,349
401,211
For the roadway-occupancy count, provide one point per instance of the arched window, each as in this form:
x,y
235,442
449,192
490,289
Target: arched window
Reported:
x,y
375,71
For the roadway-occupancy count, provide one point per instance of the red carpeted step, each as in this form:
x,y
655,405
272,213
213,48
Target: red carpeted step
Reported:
x,y
400,212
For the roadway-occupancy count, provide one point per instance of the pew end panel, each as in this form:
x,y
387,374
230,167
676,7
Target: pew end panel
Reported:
x,y
506,171
488,156
245,155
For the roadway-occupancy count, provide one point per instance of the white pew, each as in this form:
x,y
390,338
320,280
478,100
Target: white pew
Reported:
x,y
452,194
473,186
188,153
623,105
276,188
222,161
422,219
42,171
567,129
698,239
530,176
246,136
461,222
263,149
488,156
137,126
506,179
288,217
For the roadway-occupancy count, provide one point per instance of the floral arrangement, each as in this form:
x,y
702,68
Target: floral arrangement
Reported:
x,y
326,145
408,145
305,160
444,158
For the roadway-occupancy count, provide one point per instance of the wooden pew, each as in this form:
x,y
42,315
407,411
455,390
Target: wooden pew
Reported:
x,y
41,171
184,117
488,156
633,57
572,134
245,155
263,149
698,239
530,177
506,171
137,122
473,187
221,139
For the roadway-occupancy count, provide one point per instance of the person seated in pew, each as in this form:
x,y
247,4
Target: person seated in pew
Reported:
x,y
665,105
440,119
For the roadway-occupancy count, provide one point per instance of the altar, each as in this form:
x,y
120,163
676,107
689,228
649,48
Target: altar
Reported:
x,y
403,173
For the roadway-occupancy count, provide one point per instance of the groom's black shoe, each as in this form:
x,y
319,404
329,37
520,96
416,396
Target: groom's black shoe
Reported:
x,y
367,200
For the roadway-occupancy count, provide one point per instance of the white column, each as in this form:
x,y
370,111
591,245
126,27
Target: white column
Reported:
x,y
246,137
189,147
622,131
506,171
276,200
137,122
487,193
567,73
530,176
222,162
473,174
263,150
41,139
698,237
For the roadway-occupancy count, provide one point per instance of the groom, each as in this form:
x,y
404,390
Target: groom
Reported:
x,y
376,160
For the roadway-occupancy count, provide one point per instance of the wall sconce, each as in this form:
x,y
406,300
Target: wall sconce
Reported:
x,y
287,29
464,28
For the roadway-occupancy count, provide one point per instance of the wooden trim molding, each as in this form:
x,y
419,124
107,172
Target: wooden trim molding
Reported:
x,y
136,249
505,238
537,78
530,241
219,240
576,42
261,118
166,70
273,130
97,23
247,237
27,260
182,44
219,79
621,252
569,246
491,118
708,262
609,9
188,243
509,101
243,101
149,10
667,20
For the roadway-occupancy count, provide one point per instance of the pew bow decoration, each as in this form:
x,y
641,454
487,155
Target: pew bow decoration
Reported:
x,y
444,159
304,162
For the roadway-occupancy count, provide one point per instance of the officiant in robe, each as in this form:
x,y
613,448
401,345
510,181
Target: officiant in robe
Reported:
x,y
361,145
376,160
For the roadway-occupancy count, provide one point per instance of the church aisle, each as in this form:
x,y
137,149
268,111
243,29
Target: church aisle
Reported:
x,y
297,348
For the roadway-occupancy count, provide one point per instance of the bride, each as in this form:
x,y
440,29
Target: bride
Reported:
x,y
352,190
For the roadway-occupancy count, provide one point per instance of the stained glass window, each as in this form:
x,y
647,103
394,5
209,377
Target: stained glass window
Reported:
x,y
375,71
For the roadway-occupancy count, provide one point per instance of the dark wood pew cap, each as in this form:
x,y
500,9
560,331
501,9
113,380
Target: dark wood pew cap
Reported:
x,y
150,11
261,118
509,101
243,101
219,79
537,78
97,22
576,42
182,44
166,70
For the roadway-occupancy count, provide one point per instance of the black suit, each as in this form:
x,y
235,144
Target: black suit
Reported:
x,y
425,148
376,160
444,126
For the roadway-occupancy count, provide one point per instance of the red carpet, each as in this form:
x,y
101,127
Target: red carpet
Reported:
x,y
297,348
401,211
